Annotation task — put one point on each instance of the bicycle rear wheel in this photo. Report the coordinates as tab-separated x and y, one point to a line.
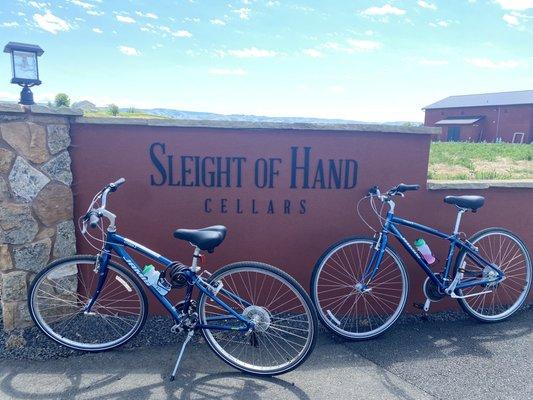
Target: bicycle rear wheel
59	294
506	250
285	321
350	307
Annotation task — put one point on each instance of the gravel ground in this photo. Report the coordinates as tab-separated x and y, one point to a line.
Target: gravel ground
32	344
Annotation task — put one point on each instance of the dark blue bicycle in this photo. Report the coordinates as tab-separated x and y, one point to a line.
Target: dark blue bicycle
360	285
254	316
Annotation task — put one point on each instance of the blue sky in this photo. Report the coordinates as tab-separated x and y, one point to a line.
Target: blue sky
355	59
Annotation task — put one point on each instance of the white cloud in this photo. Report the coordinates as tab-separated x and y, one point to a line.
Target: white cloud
425	4
363	45
432	63
186	34
336	89
97	30
384	10
217	21
82	4
125	19
38	5
441	23
517	5
314	53
129	51
514	18
490	64
511	19
227	72
252	52
146	15
51	23
12	24
273	3
244	13
95	13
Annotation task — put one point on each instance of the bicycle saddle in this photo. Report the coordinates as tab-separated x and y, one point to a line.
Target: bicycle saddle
470	202
205	238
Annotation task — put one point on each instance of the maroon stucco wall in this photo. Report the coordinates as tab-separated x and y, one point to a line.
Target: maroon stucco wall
291	238
512	119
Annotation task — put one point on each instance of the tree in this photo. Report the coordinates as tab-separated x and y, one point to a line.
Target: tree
62	100
113	110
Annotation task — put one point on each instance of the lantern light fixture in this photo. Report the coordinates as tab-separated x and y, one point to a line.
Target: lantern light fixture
25	68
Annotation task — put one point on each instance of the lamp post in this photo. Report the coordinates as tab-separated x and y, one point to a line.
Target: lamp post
25	68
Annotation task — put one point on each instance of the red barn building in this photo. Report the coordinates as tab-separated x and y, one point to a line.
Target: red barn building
489	117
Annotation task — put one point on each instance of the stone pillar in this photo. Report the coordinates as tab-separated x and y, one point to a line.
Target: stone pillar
36	207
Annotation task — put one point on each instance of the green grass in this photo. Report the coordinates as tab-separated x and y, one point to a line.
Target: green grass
464	161
122	114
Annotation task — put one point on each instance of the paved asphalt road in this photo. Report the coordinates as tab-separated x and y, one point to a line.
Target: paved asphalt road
420	360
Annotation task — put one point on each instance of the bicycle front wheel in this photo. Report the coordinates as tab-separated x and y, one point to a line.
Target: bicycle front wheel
59	294
507	251
348	305
285	329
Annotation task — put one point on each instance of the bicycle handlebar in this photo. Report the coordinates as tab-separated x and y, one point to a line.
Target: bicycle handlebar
397	190
93	215
402	187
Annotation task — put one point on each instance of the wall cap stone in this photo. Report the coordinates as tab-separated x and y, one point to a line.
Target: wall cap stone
8	107
185	123
480	184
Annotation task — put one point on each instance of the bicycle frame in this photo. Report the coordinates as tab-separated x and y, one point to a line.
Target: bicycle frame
118	244
442	281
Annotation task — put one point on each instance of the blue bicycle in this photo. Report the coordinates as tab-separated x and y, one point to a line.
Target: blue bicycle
360	285
254	316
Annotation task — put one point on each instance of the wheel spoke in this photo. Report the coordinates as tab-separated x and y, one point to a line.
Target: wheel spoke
284	329
504	250
347	307
59	297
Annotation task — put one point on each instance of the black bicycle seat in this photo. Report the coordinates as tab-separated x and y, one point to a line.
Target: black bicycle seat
470	202
205	238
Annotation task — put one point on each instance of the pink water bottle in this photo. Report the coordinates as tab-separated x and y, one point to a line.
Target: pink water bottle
424	250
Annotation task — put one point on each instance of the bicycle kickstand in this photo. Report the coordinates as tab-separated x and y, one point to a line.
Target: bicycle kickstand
185	342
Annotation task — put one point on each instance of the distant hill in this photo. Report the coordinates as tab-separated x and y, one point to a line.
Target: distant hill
196	115
93	111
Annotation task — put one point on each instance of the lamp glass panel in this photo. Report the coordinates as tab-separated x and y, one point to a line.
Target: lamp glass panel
25	65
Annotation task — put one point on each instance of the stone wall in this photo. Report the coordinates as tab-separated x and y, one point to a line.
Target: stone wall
36	200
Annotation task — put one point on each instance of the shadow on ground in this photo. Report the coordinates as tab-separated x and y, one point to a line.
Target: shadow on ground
434	359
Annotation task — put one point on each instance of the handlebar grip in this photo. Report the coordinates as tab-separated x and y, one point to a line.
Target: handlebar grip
373	190
93	220
402	187
115	185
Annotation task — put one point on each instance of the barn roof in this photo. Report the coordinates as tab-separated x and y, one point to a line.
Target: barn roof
486	99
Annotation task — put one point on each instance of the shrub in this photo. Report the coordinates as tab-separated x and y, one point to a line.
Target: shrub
62	100
113	110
